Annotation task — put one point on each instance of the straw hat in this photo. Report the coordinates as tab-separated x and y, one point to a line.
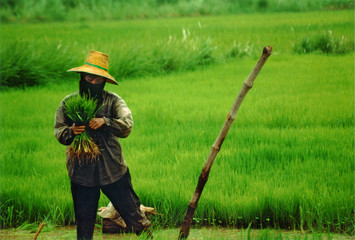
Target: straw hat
96	63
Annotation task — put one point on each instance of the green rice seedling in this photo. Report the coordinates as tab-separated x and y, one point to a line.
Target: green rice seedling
32	227
81	110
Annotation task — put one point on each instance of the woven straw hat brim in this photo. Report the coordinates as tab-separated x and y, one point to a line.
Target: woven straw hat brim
96	71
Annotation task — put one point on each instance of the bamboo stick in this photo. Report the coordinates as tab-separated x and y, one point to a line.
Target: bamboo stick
247	85
39	230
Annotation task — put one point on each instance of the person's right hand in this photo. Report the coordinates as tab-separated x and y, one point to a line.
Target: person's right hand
78	129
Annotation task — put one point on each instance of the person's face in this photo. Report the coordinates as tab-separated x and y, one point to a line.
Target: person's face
93	79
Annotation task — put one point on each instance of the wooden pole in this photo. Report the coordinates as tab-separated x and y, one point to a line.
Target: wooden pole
248	83
39	230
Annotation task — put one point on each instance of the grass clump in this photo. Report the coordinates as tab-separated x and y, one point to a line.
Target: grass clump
166	56
239	50
324	43
25	63
81	110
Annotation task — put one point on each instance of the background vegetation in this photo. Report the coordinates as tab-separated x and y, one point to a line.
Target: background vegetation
79	10
287	161
37	54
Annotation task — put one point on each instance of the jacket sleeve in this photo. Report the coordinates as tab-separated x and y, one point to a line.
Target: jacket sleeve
121	122
62	131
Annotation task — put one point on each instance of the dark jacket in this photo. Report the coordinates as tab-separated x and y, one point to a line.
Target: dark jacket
111	165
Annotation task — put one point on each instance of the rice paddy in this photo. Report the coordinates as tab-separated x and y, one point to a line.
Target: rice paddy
287	162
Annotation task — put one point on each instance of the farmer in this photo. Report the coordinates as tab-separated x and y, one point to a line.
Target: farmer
109	173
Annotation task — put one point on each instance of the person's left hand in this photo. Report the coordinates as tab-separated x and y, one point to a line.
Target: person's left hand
96	123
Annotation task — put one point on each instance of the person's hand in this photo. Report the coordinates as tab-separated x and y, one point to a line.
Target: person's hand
96	123
78	129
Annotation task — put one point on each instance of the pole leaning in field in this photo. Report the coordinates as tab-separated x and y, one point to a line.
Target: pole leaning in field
41	225
202	180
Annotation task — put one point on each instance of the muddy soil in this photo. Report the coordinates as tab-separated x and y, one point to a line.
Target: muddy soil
167	234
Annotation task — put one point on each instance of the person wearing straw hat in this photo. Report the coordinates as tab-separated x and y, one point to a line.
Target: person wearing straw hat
110	173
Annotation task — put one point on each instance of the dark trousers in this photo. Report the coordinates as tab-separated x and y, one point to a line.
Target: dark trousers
123	198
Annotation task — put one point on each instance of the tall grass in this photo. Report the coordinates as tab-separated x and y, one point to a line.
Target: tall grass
25	63
32	63
78	10
324	43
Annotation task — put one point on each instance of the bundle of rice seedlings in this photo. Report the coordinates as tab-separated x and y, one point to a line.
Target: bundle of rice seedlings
81	110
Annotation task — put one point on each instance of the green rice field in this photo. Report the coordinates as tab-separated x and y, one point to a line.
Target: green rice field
287	161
